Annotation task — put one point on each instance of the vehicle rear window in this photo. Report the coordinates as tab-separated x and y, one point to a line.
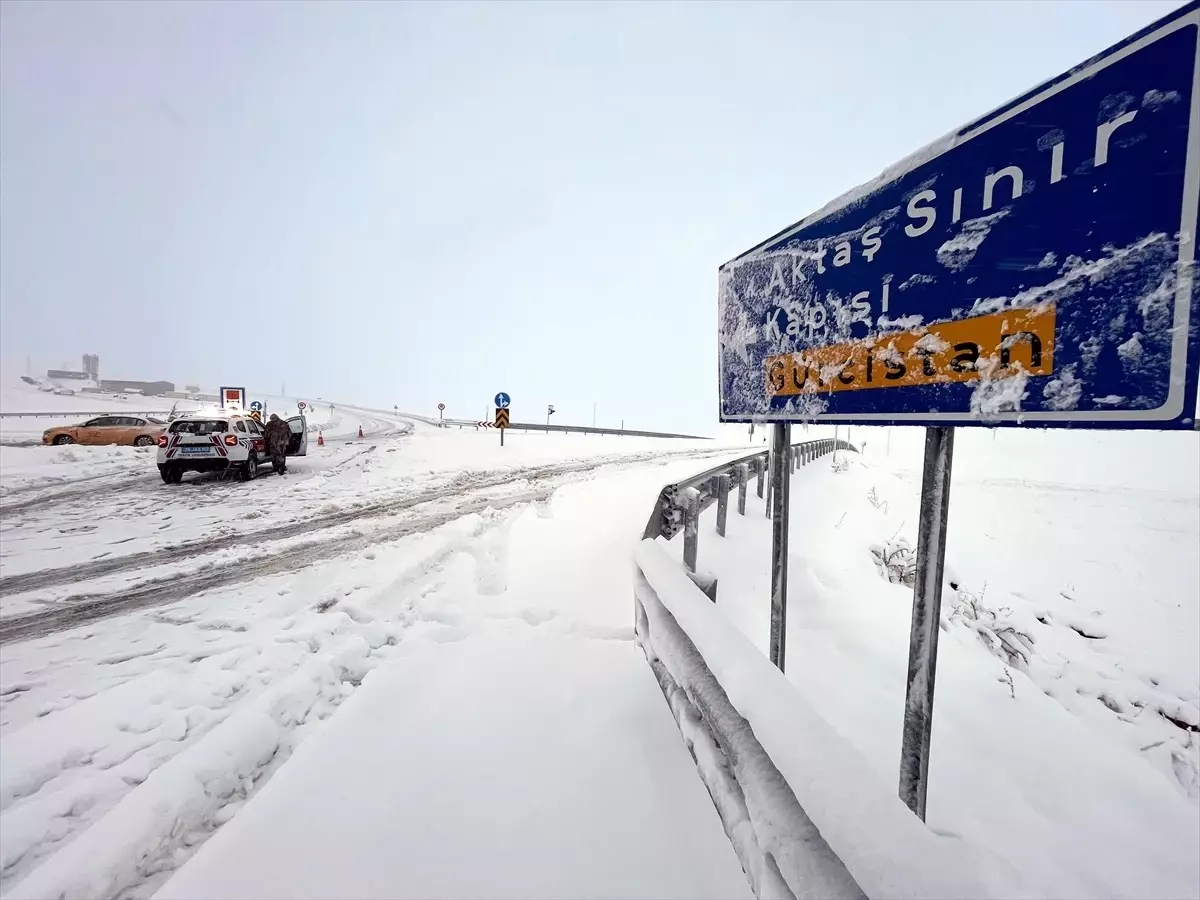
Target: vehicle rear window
200	426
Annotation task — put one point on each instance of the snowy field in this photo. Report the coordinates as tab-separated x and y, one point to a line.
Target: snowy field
1068	699
416	648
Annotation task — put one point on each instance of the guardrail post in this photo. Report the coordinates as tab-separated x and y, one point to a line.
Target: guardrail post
707	584
742	476
722	503
691	521
761	471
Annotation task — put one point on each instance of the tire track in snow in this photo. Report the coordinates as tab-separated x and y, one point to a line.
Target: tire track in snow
455	484
253	731
83	608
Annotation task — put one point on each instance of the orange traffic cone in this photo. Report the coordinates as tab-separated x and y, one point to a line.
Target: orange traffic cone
320	438
360	432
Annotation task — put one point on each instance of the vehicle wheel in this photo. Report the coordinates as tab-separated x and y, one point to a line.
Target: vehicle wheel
63	439
249	470
143	440
172	474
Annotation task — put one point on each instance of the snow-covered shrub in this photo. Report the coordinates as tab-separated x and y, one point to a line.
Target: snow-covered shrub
896	560
994	627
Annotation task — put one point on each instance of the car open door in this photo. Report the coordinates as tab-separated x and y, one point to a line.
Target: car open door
298	442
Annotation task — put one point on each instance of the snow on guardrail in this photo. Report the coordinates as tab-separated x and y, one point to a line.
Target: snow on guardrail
799	804
800	808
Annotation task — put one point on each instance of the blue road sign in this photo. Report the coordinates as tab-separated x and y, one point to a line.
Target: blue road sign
256	405
502	400
1034	268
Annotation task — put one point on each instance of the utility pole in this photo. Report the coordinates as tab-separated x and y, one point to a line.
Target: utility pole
593	413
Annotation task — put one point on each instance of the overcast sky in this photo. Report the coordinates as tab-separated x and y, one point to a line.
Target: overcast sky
407	203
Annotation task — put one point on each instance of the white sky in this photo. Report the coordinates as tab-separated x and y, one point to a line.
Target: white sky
406	203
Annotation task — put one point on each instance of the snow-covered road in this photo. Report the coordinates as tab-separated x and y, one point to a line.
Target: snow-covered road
193	638
523	750
171	659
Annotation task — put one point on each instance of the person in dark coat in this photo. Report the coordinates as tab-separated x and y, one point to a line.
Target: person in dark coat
278	434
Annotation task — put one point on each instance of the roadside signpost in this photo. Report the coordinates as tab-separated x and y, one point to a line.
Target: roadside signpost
1034	268
441	410
301	405
549	413
502	413
502	421
233	397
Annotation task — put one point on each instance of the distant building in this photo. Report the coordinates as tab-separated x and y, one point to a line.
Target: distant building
66	374
149	388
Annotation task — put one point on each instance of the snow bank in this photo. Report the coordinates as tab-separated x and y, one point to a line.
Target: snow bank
1068	680
154	826
27	468
781	850
768	731
524	764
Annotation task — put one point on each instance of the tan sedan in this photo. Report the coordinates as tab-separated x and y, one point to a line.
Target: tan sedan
140	431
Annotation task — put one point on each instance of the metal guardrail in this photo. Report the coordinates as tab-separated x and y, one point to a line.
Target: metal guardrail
573	429
753	798
428	420
742	779
83	414
679	505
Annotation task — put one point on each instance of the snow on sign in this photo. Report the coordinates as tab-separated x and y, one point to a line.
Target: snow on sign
1033	268
233	397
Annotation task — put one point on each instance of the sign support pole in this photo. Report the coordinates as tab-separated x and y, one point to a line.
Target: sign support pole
926	617
781	477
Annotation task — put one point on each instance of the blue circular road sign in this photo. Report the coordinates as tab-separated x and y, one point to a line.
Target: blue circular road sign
256	405
502	400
